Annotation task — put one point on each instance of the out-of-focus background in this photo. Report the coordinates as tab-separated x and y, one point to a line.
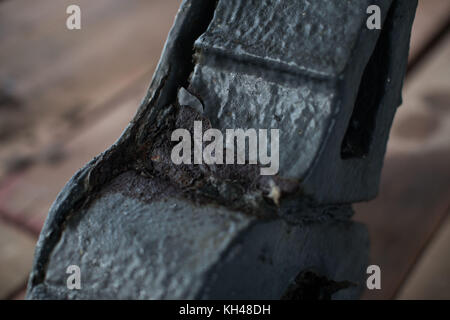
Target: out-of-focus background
65	96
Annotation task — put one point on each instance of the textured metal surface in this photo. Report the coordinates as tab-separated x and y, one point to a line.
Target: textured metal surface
302	67
140	226
301	109
173	244
126	244
299	36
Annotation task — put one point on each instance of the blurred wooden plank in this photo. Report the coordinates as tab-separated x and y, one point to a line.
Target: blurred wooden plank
85	80
430	278
431	17
27	197
415	184
21	295
16	255
53	79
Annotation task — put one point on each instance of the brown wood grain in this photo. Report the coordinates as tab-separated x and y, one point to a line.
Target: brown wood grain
26	197
415	184
432	16
54	80
430	277
16	256
65	96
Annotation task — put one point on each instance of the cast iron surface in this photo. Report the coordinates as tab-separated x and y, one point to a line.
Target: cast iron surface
141	227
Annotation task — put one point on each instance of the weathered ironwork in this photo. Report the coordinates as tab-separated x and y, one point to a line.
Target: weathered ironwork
139	226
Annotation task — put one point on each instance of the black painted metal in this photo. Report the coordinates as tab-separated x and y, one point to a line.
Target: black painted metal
142	227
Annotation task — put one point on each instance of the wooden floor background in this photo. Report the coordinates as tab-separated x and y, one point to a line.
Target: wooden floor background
65	96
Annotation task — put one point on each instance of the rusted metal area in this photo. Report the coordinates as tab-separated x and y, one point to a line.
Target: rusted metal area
217	231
